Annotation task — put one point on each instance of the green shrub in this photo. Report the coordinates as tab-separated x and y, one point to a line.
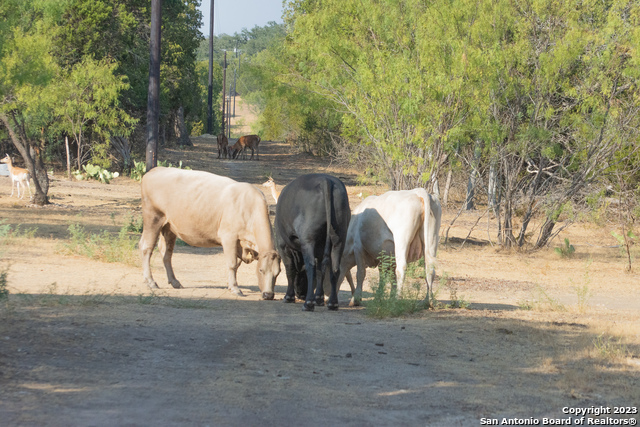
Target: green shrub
134	224
95	172
104	246
567	250
386	302
9	233
4	292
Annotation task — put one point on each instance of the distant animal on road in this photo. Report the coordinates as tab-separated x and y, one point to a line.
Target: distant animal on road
404	224
207	210
223	145
312	218
248	141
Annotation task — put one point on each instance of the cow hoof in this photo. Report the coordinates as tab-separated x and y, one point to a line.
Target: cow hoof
176	285
320	301
152	284
302	297
288	299
354	303
332	307
268	295
308	306
237	291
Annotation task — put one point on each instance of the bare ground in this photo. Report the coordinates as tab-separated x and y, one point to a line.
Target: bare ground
84	342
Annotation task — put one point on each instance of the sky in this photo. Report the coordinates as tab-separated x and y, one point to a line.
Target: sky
231	16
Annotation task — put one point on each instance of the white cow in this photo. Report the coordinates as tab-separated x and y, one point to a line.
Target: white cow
403	223
207	210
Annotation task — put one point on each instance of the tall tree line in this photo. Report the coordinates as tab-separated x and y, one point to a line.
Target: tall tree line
536	101
77	70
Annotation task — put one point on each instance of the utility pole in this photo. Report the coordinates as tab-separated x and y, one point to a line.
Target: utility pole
229	113
210	93
224	89
235	72
153	98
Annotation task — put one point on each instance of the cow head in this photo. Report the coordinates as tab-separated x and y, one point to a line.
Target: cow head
268	270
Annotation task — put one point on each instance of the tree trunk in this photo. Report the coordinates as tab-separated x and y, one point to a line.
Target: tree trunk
153	98
66	146
473	176
122	146
181	129
447	186
35	166
545	233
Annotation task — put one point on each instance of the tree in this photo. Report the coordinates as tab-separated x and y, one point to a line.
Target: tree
26	69
87	103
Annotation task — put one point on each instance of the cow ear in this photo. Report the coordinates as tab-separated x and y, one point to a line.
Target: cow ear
249	255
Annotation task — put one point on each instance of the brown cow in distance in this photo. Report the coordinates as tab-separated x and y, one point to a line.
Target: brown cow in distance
244	142
223	145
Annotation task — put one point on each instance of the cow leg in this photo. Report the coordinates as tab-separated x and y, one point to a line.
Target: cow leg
320	279
292	275
402	248
361	274
166	244
233	262
310	265
147	243
336	254
430	268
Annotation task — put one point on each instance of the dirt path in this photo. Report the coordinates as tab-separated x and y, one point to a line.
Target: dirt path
84	342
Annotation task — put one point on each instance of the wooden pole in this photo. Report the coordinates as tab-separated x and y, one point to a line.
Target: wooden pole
224	89
210	92
153	99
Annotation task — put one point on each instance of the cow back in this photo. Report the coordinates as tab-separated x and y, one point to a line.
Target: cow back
200	207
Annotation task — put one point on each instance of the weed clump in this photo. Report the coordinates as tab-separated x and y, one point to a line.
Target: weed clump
4	292
567	250
105	246
386	302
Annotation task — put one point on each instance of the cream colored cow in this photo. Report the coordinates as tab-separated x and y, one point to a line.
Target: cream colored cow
207	210
404	224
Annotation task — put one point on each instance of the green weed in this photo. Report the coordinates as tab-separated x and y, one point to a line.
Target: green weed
454	300
386	302
9	234
134	224
609	347
4	292
567	250
542	301
105	246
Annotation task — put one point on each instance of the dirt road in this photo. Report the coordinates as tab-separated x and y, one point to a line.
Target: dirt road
85	343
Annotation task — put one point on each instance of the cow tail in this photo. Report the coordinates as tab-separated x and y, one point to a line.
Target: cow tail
332	234
431	230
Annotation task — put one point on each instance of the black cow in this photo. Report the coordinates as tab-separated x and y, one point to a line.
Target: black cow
312	219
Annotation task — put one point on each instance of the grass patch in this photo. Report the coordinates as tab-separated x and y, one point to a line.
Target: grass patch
51	298
567	250
542	301
12	234
610	348
104	246
4	292
454	300
183	303
386	302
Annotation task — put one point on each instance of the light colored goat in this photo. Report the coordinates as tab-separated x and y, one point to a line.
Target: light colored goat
18	176
271	185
